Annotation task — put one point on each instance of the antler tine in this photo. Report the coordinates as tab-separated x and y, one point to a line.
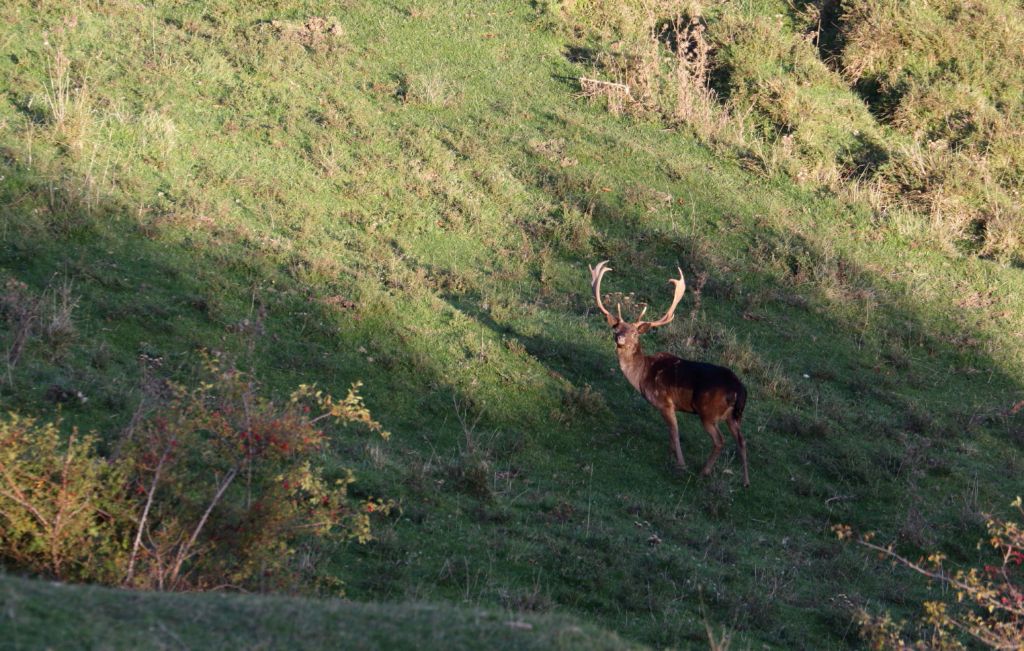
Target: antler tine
680	284
596	274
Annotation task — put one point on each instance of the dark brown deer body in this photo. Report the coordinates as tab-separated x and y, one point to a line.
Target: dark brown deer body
671	384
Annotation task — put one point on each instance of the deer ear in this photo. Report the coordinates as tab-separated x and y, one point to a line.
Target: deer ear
643	327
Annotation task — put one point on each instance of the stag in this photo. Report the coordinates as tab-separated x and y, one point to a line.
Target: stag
671	384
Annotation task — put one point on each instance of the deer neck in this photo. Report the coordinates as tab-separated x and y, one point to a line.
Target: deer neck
633	363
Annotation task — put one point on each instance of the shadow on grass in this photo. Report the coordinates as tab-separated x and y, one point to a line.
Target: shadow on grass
880	408
140	292
864	439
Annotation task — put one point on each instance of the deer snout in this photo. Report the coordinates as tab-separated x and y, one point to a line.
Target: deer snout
620	340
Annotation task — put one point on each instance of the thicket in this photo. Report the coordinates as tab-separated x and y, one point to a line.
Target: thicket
215	487
913	107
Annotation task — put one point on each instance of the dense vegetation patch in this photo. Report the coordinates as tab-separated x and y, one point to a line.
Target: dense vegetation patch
207	488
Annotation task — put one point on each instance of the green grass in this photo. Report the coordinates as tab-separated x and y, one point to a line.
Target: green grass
912	108
43	615
412	199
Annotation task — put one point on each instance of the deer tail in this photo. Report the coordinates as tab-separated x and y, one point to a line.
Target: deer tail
739	402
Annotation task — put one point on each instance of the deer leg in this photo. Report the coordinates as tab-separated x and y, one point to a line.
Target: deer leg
717	441
734	427
669	414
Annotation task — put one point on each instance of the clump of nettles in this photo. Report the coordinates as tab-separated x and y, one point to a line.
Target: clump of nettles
218	487
985	604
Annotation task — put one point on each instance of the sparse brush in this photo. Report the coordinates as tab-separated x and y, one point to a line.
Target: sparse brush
472	469
21	310
717	642
46	317
69	106
434	89
59	328
58	91
617	96
658	60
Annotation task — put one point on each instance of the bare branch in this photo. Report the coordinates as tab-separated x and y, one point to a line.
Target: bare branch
145	514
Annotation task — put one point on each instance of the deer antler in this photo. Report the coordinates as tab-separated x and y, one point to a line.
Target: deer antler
596	273
680	284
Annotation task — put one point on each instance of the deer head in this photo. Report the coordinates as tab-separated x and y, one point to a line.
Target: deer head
627	335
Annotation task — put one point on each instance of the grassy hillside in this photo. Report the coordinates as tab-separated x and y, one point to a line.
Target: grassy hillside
909	107
42	615
409	194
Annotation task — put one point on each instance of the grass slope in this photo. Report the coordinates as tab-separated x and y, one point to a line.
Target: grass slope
42	615
409	194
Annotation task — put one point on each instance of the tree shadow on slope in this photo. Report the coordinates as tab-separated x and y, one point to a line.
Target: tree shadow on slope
143	292
871	426
865	408
147	295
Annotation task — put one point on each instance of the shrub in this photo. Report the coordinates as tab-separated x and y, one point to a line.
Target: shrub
987	604
230	489
62	509
217	487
